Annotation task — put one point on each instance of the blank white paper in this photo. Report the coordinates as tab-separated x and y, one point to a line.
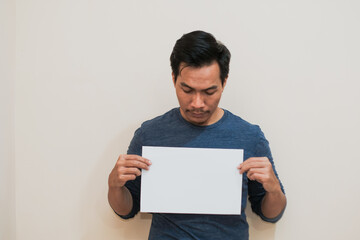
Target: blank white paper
192	180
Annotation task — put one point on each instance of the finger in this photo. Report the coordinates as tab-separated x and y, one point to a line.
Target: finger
252	160
134	157
266	169
125	178
257	170
137	157
254	176
258	159
263	177
256	164
255	160
250	165
134	171
136	163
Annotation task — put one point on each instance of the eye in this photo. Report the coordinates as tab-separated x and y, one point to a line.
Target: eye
187	90
211	92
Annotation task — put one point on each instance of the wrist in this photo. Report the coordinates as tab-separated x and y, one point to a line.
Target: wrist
116	188
276	189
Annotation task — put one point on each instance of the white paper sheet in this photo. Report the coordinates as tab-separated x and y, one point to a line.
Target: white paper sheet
192	180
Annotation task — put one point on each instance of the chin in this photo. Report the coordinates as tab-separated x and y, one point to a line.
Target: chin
198	121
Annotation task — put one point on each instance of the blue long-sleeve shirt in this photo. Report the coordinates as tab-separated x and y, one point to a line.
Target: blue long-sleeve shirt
231	132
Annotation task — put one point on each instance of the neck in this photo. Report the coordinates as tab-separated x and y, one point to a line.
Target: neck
216	116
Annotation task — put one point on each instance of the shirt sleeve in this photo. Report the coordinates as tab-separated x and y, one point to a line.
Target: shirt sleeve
255	189
135	147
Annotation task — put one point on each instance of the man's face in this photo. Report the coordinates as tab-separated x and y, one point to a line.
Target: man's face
199	91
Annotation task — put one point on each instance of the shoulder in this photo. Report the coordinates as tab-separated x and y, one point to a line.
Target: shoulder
258	145
161	121
238	123
151	129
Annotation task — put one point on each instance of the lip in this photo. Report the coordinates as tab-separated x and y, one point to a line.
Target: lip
197	115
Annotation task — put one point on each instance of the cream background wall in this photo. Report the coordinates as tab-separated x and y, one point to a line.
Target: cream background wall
7	157
88	72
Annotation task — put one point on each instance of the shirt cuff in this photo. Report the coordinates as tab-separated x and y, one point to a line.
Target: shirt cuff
272	220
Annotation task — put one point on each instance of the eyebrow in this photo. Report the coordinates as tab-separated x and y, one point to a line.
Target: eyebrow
210	88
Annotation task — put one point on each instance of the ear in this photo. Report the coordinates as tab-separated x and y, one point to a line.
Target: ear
173	78
224	84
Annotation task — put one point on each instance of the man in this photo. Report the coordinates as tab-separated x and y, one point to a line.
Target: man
200	67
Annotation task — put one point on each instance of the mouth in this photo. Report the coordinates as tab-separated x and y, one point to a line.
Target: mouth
197	114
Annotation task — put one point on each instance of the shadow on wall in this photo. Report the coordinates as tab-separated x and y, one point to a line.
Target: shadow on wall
98	219
259	229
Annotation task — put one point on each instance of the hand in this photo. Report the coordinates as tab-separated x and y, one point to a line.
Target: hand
260	169
127	168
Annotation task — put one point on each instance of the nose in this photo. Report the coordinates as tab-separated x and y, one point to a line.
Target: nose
197	101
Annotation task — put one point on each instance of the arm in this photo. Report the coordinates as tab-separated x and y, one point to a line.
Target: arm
126	168
273	203
260	169
120	200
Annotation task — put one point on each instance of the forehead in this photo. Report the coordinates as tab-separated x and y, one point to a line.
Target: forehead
205	74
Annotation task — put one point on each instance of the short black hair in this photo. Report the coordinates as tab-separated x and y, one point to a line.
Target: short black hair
198	49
